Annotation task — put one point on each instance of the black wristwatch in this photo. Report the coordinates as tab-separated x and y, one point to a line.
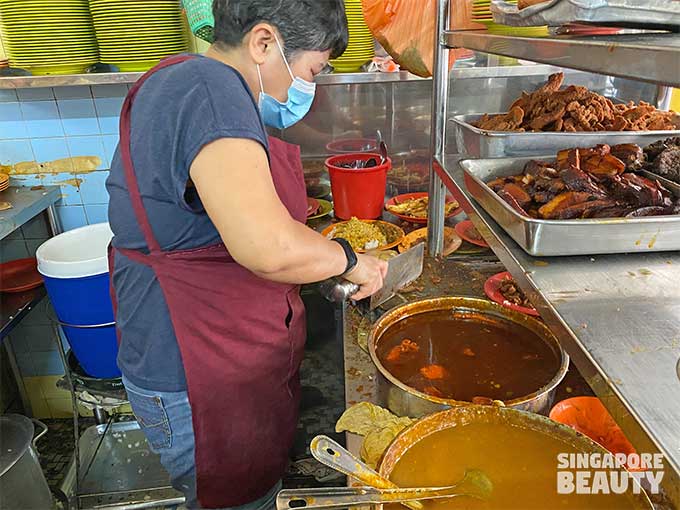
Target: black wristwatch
349	253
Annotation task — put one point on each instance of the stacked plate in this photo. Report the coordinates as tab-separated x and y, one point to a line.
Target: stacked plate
135	35
48	36
4	182
481	13
361	45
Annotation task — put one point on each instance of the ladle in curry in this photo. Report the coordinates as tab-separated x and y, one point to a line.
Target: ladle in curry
474	484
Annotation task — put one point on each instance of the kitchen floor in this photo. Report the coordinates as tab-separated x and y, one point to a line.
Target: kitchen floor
322	377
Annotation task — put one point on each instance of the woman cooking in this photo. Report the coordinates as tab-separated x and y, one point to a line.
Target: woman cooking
210	248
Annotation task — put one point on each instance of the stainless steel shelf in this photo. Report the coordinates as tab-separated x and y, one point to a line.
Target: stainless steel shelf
69	80
647	57
15	306
22	82
618	317
26	203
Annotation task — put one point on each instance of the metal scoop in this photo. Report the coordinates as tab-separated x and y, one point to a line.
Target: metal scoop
474	484
325	450
382	146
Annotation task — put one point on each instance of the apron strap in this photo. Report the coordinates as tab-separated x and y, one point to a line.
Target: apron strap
126	155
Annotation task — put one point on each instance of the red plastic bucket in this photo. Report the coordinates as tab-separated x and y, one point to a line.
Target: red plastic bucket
358	192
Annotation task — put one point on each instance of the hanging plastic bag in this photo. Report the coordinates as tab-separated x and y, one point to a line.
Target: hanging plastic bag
405	28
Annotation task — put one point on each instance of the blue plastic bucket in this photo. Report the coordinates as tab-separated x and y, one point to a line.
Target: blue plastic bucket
74	266
100	361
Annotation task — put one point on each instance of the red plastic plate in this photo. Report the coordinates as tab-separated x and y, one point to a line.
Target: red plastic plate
19	275
407	196
463	229
492	290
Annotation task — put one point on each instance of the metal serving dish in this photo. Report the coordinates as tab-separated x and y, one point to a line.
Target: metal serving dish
404	400
629	13
566	237
479	143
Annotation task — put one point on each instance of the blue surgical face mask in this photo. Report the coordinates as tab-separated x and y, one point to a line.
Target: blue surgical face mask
300	96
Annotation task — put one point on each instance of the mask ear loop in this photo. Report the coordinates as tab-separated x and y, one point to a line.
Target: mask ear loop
285	60
259	76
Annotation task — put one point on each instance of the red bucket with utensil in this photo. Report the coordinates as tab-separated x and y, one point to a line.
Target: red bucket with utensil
358	192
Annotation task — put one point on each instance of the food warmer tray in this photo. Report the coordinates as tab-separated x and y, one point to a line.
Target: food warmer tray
628	13
566	237
480	143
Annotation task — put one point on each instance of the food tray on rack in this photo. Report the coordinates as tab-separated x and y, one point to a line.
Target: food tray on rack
566	237
480	143
628	13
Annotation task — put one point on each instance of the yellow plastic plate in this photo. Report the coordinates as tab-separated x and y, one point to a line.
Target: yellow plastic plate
141	48
50	61
135	67
43	13
65	69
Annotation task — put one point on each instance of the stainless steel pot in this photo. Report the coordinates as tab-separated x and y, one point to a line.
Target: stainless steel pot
462	416
406	401
22	482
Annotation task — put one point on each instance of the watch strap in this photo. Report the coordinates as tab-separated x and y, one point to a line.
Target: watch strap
351	256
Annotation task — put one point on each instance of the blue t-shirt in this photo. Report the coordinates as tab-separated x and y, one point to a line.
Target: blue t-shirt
178	111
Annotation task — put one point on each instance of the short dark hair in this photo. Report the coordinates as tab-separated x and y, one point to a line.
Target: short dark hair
305	25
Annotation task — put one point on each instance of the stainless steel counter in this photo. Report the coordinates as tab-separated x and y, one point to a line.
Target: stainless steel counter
618	317
26	204
89	79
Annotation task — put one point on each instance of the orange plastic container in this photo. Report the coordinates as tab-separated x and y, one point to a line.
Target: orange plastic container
588	416
358	192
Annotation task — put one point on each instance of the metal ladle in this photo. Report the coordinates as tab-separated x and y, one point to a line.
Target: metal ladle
383	148
325	450
474	484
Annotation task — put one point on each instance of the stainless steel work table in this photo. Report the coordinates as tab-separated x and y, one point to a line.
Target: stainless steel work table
27	203
618	317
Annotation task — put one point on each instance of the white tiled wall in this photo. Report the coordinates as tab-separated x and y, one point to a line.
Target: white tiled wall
45	125
42	126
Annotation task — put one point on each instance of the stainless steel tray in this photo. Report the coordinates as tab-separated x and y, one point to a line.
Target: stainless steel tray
566	237
118	470
629	13
480	143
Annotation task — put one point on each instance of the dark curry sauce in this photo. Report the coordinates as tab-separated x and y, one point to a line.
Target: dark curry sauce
463	355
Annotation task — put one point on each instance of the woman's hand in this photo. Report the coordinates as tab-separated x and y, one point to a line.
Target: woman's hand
369	274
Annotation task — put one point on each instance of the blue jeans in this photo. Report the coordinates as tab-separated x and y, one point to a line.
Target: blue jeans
165	418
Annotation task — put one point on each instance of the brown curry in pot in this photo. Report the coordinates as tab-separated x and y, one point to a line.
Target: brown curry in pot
463	355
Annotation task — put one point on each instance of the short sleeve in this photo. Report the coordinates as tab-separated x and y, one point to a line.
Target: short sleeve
217	105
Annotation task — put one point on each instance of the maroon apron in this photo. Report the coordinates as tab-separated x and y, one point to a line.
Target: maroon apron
241	340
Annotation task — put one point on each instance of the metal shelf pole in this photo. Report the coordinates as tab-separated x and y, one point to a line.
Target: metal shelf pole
440	94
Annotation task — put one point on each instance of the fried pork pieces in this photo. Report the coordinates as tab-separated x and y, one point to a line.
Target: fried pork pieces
575	108
663	158
587	183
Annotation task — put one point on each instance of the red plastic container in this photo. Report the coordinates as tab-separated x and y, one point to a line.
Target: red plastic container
358	192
